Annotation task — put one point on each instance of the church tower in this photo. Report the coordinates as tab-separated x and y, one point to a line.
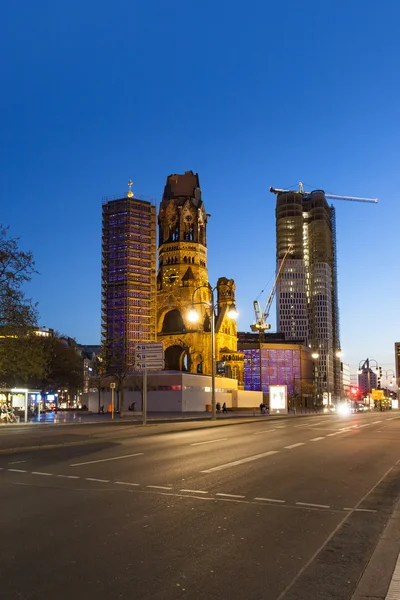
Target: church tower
183	279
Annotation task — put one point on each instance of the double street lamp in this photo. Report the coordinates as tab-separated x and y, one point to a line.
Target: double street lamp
392	378
194	317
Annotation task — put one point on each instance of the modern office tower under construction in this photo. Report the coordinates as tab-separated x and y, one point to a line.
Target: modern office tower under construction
307	295
128	278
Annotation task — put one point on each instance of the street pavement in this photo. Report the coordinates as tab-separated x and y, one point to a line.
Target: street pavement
268	509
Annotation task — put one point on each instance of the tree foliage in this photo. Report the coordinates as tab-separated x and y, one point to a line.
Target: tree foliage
45	363
16	268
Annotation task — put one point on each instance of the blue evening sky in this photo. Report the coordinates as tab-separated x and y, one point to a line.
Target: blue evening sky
247	94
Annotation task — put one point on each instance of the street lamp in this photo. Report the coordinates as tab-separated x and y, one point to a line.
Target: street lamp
392	378
364	365
194	316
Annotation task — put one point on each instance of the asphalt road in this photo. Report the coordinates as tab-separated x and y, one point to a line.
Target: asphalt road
269	510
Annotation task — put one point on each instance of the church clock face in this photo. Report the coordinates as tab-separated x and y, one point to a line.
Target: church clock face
171	277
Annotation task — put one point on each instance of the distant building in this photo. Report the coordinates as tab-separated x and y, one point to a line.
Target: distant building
367	380
128	278
307	293
397	364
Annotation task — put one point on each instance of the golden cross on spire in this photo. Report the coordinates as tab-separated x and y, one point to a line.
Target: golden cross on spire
130	193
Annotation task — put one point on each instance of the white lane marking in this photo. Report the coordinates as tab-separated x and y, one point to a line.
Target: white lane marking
127	483
17	470
317	439
375	422
264	431
313	505
394	587
294	445
365	425
209	442
235	463
92	462
229	495
270	500
17	462
281	427
99	480
390	419
69	476
309	424
369	510
195	491
332	434
39	473
159	487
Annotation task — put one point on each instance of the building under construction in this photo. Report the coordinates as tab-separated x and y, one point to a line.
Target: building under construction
128	278
307	294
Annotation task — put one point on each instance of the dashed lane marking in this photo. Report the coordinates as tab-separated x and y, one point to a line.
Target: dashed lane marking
312	505
127	483
92	462
295	445
309	424
367	510
17	462
317	439
269	500
242	461
202	494
332	434
209	442
264	431
229	495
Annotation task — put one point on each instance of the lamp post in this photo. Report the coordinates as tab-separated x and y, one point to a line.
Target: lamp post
365	365
194	316
392	378
324	343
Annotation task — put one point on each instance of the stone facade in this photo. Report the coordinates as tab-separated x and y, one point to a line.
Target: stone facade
182	281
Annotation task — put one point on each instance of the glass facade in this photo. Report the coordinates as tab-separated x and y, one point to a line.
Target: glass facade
278	367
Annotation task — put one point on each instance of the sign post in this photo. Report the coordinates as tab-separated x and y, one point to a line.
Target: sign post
112	386
148	357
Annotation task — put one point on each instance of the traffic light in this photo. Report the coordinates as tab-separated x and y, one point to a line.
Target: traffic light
379	377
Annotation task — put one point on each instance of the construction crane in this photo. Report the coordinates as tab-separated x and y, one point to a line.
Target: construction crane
261	324
328	196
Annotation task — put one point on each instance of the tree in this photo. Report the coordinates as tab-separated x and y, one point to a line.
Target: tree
16	268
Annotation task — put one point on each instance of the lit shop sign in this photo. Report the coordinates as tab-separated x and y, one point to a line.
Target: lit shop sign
278	398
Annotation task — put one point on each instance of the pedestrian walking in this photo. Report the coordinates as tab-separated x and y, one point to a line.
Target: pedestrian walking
224	409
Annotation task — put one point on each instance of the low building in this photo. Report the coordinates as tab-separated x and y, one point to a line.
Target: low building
174	392
282	363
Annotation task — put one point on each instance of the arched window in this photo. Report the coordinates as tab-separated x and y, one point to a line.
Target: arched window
173	322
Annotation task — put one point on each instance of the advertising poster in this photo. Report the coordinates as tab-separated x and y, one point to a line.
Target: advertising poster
278	399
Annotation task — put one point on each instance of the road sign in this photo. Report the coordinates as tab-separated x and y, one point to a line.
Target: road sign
155	366
149	356
149	346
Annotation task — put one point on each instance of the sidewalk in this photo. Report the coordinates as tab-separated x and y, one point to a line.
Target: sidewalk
82	417
381	578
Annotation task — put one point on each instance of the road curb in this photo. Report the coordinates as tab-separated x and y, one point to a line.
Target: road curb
376	579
